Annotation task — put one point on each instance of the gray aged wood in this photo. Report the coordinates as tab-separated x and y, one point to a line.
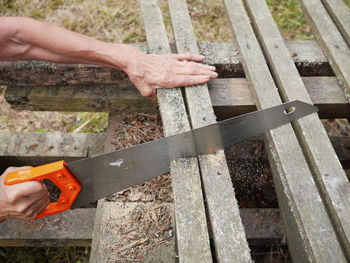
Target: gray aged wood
340	14
332	43
230	97
69	228
191	226
30	148
307	225
74	228
103	234
326	168
122	96
116	218
229	239
307	56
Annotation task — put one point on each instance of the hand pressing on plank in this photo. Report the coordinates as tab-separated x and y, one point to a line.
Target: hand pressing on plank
150	72
24	200
28	39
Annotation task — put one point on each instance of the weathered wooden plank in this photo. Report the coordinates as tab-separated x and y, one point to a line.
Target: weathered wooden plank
30	148
307	56
228	234
332	43
230	97
326	168
103	236
117	221
75	227
191	226
70	228
340	14
123	97
307	225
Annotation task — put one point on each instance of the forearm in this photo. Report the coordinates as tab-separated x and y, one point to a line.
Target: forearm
27	39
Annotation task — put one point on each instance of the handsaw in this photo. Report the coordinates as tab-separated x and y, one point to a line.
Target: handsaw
84	181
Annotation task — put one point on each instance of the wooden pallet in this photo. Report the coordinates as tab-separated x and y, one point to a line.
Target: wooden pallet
258	70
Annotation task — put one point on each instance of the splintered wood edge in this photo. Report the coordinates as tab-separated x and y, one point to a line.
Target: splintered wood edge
309	130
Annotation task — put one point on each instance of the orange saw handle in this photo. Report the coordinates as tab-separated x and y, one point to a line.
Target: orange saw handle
59	175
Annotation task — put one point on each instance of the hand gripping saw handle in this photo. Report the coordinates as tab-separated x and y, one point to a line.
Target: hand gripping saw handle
59	175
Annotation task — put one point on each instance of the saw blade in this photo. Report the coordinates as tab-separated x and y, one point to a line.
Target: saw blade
108	173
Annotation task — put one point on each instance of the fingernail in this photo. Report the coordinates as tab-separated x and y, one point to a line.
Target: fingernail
202	57
212	68
214	74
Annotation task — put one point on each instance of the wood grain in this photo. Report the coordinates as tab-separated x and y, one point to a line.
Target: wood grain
191	225
74	228
229	239
328	173
332	43
305	218
230	97
340	14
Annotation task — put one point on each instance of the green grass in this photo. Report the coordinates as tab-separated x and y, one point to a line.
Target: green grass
290	19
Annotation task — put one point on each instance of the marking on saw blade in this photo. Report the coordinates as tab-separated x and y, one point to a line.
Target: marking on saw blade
117	163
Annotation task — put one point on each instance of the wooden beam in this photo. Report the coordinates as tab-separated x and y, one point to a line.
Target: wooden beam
75	227
229	239
340	14
328	175
307	56
121	226
191	226
332	43
70	228
102	97
305	218
230	97
30	148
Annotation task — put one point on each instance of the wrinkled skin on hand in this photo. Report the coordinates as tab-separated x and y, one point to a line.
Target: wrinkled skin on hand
22	201
150	72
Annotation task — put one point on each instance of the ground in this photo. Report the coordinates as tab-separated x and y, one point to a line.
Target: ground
120	21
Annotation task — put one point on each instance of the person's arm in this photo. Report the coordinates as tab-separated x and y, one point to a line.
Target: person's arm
22	201
28	39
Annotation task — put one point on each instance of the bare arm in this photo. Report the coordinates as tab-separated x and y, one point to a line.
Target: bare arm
28	39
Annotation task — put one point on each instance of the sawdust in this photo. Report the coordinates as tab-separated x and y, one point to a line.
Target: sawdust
142	227
251	174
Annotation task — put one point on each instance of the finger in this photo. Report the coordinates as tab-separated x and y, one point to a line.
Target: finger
192	68
146	91
189	80
37	208
13	169
154	95
189	56
26	189
27	206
